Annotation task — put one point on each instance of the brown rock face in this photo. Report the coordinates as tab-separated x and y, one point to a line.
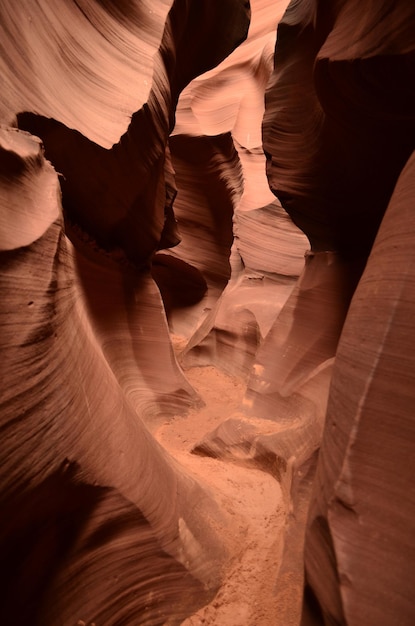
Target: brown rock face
78	464
97	524
359	549
339	135
169	176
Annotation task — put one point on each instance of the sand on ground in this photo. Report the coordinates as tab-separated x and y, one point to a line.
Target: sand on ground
251	498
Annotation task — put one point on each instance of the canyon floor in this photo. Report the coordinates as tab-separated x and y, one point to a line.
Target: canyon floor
253	502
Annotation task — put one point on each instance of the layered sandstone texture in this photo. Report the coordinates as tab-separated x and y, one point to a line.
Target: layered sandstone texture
339	138
181	195
100	524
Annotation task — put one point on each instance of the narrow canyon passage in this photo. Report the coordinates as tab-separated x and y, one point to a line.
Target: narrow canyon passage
251	499
207	297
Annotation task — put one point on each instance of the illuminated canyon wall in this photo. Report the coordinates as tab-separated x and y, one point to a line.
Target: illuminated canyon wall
164	174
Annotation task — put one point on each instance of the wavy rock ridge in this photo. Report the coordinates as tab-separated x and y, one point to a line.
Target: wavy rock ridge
95	506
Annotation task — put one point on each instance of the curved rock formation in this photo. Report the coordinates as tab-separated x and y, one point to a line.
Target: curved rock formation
357	562
120	196
359	549
102	525
267	252
84	534
338	131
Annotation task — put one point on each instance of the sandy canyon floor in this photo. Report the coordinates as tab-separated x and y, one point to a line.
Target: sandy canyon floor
253	502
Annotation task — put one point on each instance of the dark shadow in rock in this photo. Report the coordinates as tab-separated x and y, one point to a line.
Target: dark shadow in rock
75	551
180	283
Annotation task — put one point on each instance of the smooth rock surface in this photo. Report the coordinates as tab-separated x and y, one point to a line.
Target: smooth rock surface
78	465
101	524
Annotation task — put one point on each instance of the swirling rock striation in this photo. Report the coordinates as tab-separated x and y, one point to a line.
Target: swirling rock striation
84	533
102	525
339	134
119	196
267	253
359	552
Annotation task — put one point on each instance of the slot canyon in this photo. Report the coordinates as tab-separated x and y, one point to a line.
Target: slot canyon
207	312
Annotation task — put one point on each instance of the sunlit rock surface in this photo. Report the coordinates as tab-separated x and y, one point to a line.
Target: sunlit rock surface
89	65
267	253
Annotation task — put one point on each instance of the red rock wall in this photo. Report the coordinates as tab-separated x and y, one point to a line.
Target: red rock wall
151	113
359	547
339	135
97	517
